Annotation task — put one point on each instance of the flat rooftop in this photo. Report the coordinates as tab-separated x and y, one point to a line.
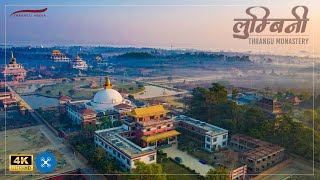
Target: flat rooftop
113	137
249	140
263	151
262	148
210	129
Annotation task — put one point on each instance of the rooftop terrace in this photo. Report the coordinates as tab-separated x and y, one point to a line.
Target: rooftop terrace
210	129
112	136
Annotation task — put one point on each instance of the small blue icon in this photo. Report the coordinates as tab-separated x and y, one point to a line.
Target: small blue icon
45	162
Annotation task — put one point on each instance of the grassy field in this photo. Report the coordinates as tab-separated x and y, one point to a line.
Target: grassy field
132	88
80	90
29	140
72	89
171	167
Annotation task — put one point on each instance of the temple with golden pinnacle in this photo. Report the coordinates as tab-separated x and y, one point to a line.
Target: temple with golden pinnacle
14	71
79	63
107	99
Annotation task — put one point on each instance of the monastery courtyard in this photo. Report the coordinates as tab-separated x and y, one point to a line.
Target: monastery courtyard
187	159
32	140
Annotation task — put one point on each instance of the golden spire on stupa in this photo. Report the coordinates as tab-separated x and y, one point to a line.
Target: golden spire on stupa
12	59
107	84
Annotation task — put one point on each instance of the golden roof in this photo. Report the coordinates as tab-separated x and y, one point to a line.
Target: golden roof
160	136
107	84
56	51
147	111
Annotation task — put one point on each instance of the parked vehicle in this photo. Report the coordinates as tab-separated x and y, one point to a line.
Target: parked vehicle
178	159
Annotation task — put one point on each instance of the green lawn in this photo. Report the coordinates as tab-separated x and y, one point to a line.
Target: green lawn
132	88
80	90
64	89
171	167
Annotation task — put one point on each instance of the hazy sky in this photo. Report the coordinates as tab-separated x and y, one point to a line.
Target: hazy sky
182	24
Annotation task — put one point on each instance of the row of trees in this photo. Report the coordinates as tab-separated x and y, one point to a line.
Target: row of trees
211	105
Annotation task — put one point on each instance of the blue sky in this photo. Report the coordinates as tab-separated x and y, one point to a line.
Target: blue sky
139	23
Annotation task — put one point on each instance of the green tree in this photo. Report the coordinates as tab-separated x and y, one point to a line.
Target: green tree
219	173
130	96
105	122
235	93
72	92
88	130
155	171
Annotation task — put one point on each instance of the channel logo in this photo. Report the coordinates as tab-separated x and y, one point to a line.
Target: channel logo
45	162
21	162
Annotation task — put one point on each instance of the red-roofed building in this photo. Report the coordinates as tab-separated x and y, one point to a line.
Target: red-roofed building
62	101
122	109
124	93
64	98
9	102
79	114
14	71
5	95
294	100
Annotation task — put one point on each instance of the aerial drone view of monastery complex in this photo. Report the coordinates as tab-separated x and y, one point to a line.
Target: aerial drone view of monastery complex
110	111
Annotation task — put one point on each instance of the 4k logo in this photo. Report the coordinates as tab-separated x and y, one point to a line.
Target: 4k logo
20	162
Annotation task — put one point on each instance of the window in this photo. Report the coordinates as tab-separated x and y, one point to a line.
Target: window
128	162
151	117
208	139
168	125
214	139
224	143
214	147
224	136
133	128
208	146
151	158
161	116
114	152
159	127
148	129
140	119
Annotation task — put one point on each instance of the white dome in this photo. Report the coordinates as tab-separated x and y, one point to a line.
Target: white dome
108	96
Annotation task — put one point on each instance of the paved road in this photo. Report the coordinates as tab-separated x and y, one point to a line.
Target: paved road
18	98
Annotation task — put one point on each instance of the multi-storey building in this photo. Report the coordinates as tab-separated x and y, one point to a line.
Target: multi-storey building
211	136
57	56
258	155
14	71
79	114
79	63
152	126
114	141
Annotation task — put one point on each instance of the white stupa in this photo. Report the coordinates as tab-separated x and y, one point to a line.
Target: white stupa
105	99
